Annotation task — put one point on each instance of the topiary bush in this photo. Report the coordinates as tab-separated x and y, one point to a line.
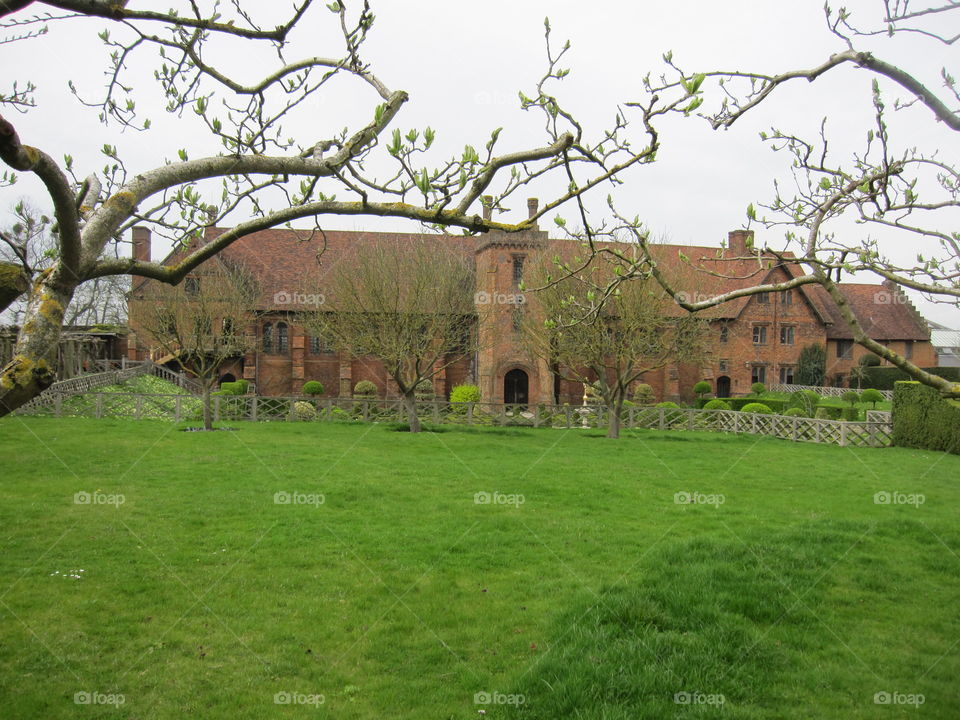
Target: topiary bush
852	397
923	419
702	388
304	411
883	378
244	386
850	414
716	404
424	389
758	389
465	394
871	396
365	388
806	400
667	404
643	394
756	407
795	412
828	412
775	404
312	387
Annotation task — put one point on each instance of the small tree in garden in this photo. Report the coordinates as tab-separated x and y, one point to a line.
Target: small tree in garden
812	366
643	394
200	325
410	305
871	396
465	394
852	397
365	389
702	388
758	388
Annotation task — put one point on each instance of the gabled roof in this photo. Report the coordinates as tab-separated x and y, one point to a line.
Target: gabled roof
884	312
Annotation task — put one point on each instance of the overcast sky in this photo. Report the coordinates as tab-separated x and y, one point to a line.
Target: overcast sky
463	63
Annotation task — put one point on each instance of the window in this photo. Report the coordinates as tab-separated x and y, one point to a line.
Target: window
786	375
763	298
786	335
227	327
844	348
319	345
282	339
838	380
517	270
908	349
191	285
758	374
759	334
724	333
786	297
723	366
268	337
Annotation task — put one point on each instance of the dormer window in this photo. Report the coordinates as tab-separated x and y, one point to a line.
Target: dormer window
518	269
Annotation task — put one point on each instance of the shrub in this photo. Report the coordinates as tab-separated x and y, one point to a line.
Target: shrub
852	397
643	394
871	396
702	388
870	360
465	394
667	404
850	414
758	389
232	388
883	378
811	365
756	407
312	387
365	388
304	411
340	414
828	412
716	404
775	404
923	419
795	412
805	400
424	389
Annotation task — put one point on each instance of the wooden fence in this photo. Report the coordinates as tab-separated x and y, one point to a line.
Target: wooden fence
299	409
824	391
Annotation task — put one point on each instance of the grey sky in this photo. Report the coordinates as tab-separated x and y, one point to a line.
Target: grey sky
463	63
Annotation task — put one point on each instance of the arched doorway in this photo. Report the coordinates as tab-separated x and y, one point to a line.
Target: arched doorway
227	378
723	386
515	387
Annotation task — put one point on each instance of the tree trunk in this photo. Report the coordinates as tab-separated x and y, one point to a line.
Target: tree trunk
34	365
615	411
410	403
207	414
13	283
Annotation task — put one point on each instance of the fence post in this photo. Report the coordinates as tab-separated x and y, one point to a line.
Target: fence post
470	413
567	408
254	408
662	423
58	406
436	411
690	416
843	434
794	435
139	410
177	404
366	410
99	411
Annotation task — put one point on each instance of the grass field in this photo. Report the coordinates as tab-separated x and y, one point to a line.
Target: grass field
353	571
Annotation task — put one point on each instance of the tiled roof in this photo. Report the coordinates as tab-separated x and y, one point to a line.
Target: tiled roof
290	262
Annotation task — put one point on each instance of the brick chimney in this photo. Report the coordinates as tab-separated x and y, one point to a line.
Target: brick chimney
740	242
533	206
141	244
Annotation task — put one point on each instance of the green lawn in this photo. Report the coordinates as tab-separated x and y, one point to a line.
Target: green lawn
584	591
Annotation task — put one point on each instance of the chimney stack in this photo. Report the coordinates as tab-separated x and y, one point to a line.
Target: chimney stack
533	205
141	244
740	242
487	201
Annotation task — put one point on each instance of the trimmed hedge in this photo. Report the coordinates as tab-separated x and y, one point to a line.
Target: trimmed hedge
774	404
465	394
716	404
884	378
756	407
923	419
794	412
312	387
233	388
850	414
365	388
828	412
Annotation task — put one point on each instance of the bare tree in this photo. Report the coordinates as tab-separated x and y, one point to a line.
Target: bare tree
409	305
259	172
28	248
609	344
202	324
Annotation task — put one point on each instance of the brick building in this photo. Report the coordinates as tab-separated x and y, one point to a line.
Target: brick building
757	338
